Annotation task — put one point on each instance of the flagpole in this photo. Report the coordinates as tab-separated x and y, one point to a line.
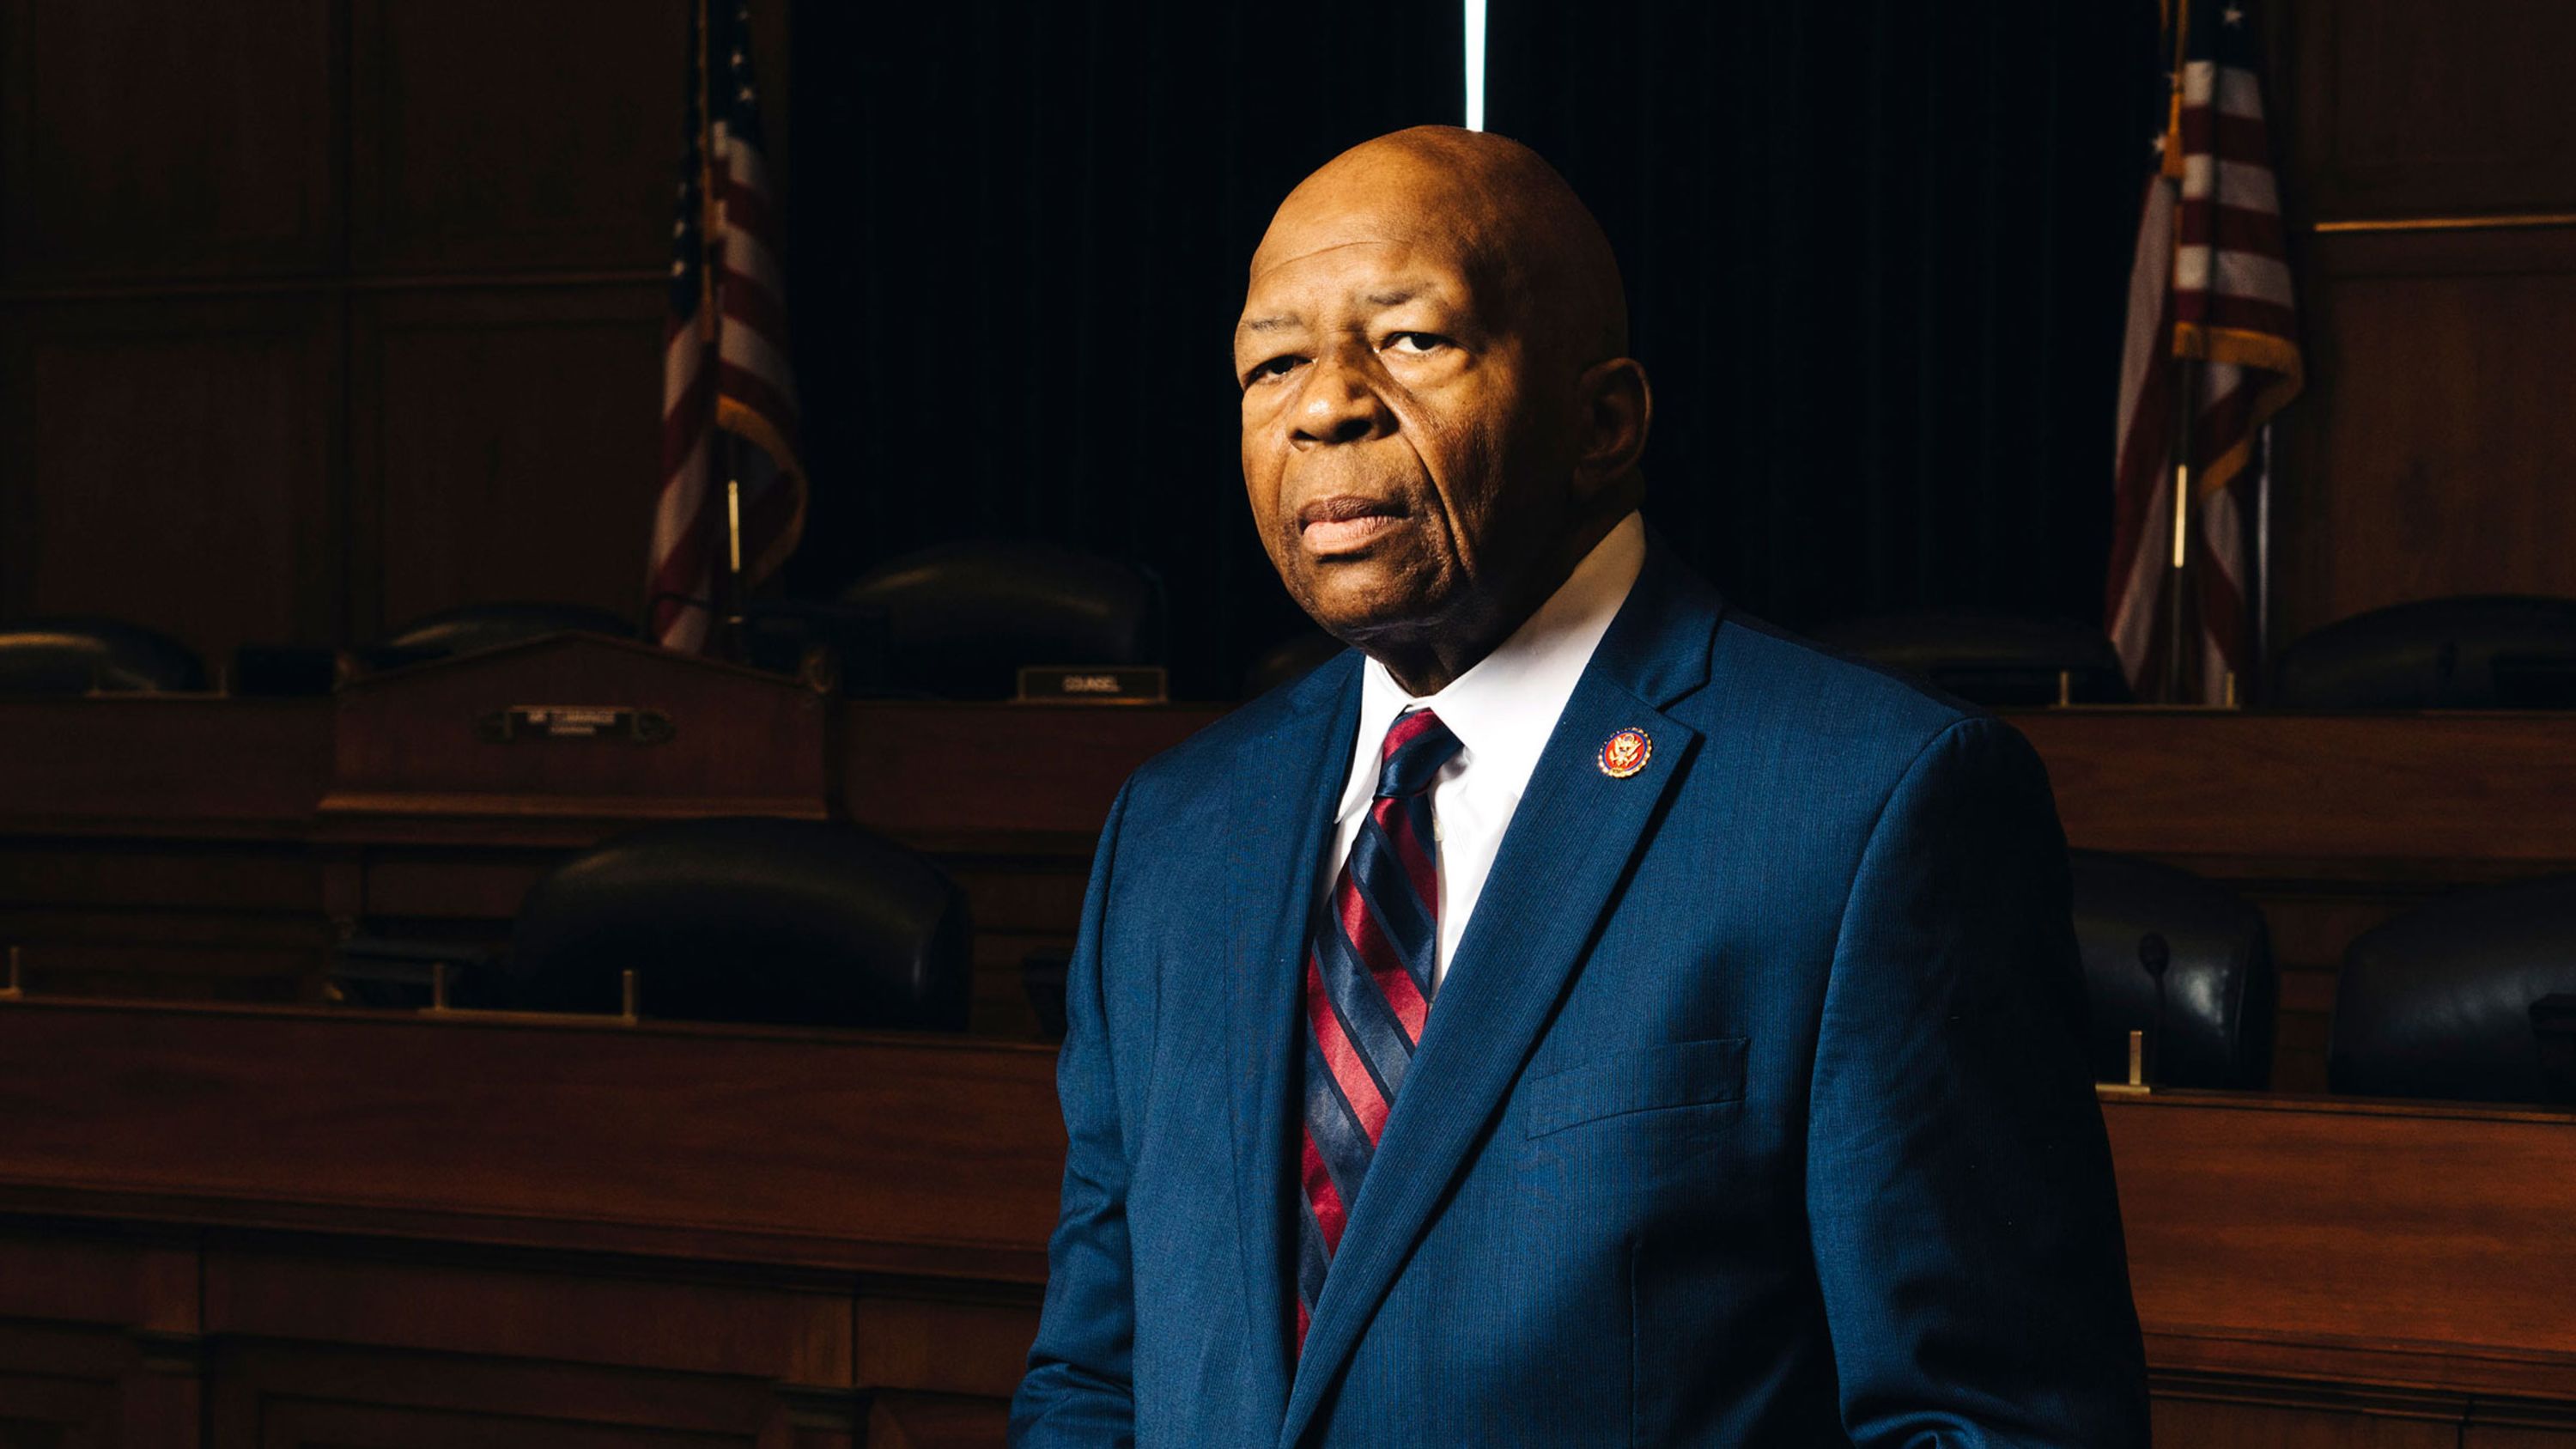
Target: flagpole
2178	633
725	610
734	601
2178	637
2258	658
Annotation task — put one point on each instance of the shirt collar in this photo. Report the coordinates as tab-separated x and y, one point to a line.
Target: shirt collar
1504	708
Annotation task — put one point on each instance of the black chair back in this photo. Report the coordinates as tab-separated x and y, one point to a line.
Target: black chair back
75	654
2496	651
2184	960
958	621
474	627
1993	659
794	922
2463	999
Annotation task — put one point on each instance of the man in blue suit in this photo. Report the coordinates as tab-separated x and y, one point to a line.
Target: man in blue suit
1580	1015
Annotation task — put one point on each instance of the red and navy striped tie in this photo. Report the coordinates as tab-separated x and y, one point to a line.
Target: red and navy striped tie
1368	988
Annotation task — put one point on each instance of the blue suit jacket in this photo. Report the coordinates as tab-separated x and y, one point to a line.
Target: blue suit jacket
1750	1113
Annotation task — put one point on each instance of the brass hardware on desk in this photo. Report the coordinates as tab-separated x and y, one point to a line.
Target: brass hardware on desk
2136	1085
438	1007
2065	688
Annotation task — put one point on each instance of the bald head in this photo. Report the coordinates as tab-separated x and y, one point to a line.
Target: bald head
1506	215
1439	416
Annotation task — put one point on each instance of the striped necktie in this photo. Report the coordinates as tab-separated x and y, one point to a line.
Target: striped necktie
1368	988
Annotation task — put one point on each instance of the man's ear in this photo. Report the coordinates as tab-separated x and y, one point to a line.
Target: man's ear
1617	406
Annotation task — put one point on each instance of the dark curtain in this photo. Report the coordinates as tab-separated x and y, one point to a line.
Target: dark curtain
1877	256
1876	252
1017	245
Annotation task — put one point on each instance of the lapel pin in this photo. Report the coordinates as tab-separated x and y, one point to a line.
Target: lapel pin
1625	753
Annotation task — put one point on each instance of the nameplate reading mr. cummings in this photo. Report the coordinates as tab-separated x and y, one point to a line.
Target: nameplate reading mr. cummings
625	725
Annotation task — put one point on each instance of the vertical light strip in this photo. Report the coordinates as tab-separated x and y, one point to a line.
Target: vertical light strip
1475	64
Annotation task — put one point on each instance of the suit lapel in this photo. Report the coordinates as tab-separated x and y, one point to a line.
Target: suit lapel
1561	861
1282	805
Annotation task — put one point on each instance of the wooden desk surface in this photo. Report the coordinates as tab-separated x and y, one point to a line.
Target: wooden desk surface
2396	1244
2316	795
2297	1251
881	1153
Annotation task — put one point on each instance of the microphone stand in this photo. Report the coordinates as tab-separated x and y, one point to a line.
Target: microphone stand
2153	957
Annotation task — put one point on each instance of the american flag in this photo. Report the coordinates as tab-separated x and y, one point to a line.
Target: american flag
2209	301
728	393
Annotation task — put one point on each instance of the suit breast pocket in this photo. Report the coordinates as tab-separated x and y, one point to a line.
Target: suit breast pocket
1679	1074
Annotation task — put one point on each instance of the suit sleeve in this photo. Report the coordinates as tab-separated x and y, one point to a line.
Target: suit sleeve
1079	1388
1959	1193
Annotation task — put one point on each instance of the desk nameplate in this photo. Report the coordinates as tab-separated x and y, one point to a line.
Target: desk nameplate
620	724
1094	684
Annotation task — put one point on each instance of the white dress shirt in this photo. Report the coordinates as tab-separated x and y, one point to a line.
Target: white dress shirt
1502	712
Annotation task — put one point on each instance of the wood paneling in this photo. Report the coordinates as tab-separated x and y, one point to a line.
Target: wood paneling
88	1319
403	1301
2193	1422
2435	446
157	846
167	140
306	1396
930	1421
1041	781
231	210
579	1136
2258	1220
162	767
369	1230
172	465
507	447
490	135
2431	452
2407	109
2488	1435
407	749
2350	796
59	1389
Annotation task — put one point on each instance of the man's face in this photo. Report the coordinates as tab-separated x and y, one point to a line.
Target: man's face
1394	444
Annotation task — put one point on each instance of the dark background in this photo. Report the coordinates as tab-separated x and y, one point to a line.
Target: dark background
1875	258
1018	253
326	314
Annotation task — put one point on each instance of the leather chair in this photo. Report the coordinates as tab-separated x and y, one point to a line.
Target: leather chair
791	922
475	627
76	654
959	620
2464	999
2184	960
2496	651
1989	658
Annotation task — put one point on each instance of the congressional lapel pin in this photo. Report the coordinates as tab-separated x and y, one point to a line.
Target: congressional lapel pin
1625	753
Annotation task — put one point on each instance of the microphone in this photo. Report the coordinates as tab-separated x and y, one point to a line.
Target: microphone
2153	957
